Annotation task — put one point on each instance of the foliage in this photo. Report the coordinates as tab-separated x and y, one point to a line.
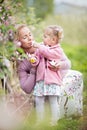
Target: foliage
42	7
27	16
6	37
8	23
63	124
46	7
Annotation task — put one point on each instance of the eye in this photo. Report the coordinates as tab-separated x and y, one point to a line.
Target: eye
24	37
44	36
30	34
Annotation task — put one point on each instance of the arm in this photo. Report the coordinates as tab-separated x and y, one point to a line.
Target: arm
26	76
65	64
49	52
61	60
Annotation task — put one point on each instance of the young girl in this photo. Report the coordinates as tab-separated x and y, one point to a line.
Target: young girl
48	82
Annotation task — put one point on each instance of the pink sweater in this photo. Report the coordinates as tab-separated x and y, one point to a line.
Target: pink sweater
51	53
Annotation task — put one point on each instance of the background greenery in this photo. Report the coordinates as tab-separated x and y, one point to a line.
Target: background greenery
38	16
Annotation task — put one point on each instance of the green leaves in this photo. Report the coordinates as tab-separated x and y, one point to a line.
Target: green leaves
6	37
3	70
20	50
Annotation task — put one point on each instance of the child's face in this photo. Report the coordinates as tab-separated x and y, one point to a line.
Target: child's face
49	39
25	37
46	39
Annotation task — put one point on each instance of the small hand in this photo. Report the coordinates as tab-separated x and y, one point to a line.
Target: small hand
58	65
54	66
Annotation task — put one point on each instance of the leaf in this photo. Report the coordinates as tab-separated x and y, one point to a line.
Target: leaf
20	50
1	75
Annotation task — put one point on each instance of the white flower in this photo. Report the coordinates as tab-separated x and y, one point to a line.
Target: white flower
6	62
18	43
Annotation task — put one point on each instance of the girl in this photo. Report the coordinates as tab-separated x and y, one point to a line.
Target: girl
48	82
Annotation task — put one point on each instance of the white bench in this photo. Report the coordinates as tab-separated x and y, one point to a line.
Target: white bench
71	101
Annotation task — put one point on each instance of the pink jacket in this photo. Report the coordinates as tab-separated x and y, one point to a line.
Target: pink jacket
51	53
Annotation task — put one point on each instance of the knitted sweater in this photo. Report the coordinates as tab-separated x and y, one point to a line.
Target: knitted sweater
27	75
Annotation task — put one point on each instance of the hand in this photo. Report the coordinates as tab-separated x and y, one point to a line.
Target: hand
55	66
31	58
58	65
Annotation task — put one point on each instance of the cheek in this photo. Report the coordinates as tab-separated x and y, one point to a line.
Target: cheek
23	42
32	38
48	41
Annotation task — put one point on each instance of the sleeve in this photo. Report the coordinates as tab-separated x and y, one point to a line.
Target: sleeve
27	76
49	53
65	64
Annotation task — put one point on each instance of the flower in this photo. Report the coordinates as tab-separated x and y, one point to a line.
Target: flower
17	43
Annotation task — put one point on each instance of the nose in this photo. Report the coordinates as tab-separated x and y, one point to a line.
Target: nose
29	38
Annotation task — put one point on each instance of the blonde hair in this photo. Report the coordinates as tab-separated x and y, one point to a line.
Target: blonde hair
18	31
57	31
